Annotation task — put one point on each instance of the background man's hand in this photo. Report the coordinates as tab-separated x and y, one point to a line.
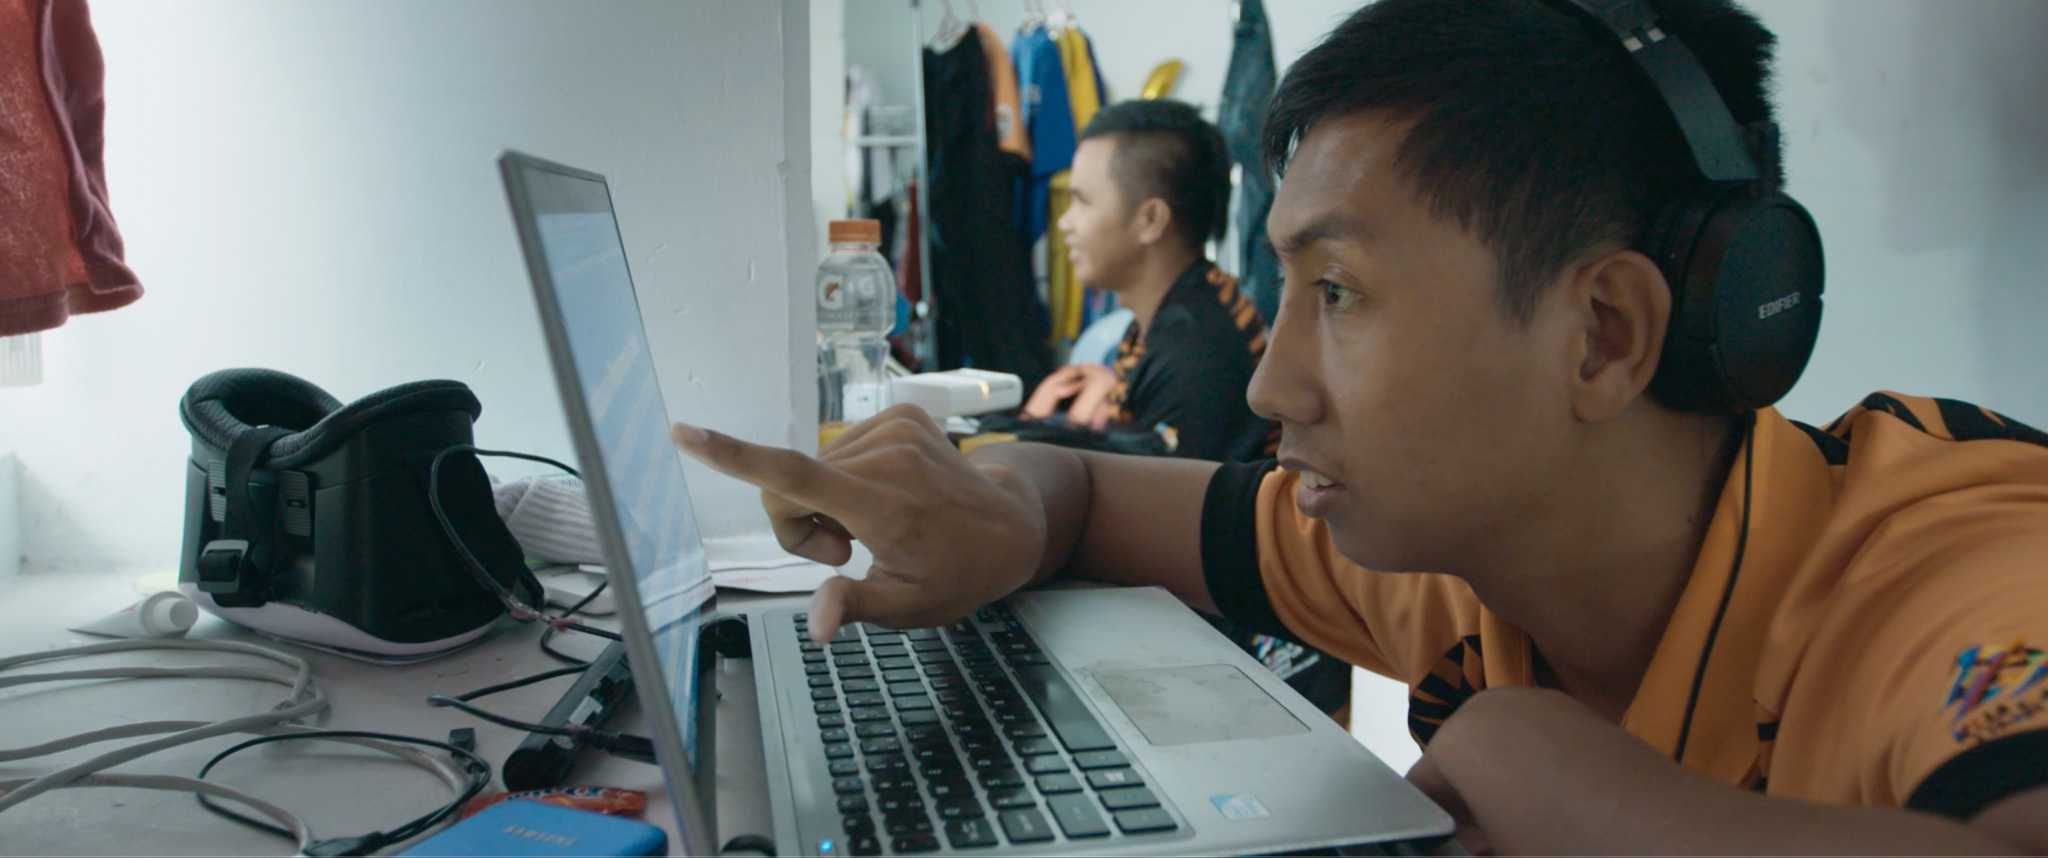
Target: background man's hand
947	536
1063	384
1091	406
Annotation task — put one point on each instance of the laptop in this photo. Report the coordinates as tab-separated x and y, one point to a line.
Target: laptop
1081	721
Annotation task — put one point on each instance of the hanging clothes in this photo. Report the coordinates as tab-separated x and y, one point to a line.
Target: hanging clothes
1247	91
988	316
1008	106
1049	125
1084	86
60	252
1062	289
1085	96
910	342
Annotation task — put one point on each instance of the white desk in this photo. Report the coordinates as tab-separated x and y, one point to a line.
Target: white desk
339	790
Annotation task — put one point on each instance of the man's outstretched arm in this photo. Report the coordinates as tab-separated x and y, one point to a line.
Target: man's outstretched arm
951	533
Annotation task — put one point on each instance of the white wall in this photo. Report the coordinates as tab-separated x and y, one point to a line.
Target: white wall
311	186
1917	133
828	113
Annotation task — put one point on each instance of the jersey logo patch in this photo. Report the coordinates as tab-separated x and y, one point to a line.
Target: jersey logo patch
1995	689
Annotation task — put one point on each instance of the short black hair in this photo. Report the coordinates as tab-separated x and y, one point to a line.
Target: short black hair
1530	128
1165	149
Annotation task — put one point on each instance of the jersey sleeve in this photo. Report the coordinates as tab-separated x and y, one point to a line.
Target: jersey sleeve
1274	570
1941	653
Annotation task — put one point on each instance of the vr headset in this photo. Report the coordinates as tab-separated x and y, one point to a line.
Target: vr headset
310	520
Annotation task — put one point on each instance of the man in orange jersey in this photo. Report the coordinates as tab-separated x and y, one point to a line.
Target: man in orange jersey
1627	625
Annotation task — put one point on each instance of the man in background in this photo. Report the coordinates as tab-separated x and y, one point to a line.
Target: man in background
1150	186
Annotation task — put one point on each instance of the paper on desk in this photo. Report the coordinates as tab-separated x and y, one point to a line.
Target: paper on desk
802	576
760	565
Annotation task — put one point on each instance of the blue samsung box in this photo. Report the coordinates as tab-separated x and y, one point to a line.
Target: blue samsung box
533	828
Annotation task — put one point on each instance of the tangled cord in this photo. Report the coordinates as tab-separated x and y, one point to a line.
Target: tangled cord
519	610
478	772
627	745
303	699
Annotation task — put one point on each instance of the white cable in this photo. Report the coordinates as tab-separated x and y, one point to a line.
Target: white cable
282	817
305	699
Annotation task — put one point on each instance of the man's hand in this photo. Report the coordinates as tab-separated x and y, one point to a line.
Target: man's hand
1063	384
947	536
1091	406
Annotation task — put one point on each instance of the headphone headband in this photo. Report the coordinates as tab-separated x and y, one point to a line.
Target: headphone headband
1710	130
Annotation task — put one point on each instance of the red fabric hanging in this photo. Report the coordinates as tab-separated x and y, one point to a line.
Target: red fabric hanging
60	252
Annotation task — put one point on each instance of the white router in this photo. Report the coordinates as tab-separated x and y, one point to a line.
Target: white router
960	392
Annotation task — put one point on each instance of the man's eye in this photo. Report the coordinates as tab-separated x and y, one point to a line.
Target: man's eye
1335	296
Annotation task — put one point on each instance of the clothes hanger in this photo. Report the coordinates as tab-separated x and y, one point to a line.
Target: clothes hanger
1034	16
951	28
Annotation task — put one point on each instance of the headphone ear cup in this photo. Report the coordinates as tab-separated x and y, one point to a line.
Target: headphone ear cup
1746	275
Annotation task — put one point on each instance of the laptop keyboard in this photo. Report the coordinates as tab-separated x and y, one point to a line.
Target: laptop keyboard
965	738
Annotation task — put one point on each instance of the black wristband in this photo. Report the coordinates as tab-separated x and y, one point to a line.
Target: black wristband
1979	777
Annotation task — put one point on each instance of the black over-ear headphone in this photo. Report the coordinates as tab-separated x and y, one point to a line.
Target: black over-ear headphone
1743	260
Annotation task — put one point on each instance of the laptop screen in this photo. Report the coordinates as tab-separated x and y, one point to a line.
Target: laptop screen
615	410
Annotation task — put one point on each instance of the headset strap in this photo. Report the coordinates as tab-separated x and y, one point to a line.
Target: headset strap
239	562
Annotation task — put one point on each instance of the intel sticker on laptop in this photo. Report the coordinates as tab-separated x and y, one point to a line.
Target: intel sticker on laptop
1238	808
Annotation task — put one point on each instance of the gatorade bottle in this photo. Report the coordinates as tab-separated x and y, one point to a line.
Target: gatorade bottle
856	310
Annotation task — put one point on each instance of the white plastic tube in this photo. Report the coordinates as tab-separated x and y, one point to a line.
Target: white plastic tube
162	615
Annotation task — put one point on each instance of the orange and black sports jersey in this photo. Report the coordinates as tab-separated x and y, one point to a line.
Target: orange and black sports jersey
1873	632
1185	377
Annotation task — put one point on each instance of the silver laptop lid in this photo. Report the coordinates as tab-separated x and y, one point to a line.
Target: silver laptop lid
638	497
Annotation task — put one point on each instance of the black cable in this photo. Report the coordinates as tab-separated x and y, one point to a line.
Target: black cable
626	745
1699	676
519	610
520	683
548	633
479	777
443	700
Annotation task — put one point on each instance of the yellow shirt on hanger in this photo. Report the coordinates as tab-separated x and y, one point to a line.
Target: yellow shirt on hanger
1065	293
1062	289
1079	68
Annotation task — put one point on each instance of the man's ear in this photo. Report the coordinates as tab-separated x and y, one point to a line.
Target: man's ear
1152	221
1623	304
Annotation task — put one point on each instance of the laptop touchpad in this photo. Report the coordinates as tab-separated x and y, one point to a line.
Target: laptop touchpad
1204	703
